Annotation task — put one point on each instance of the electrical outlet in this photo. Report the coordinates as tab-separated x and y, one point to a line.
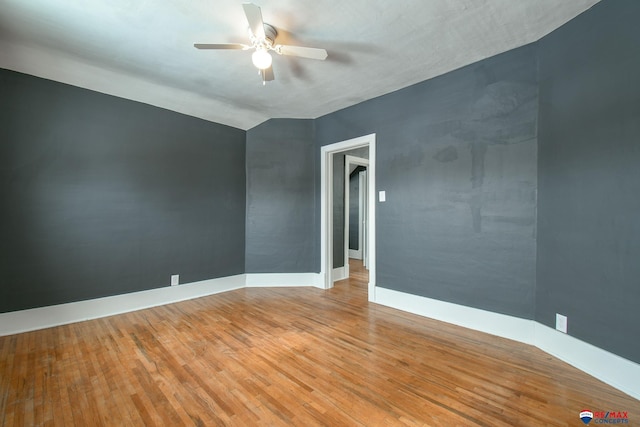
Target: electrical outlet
175	279
561	323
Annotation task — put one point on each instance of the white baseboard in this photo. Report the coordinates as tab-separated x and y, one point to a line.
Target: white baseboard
339	273
614	370
481	320
45	317
355	253
261	280
54	315
610	368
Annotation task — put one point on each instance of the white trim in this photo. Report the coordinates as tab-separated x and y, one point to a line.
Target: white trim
363	217
326	217
326	172
45	317
272	280
355	254
610	368
340	273
371	226
473	318
16	322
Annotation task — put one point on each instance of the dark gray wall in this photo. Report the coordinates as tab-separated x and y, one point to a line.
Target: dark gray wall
589	177
281	205
457	157
103	196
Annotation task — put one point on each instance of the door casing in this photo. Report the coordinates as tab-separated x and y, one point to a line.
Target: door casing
326	208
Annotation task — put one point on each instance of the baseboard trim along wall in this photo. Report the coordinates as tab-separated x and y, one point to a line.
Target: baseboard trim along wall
45	317
270	280
33	319
339	273
481	320
612	369
607	367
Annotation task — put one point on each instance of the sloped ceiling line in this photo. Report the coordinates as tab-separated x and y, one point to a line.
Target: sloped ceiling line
144	51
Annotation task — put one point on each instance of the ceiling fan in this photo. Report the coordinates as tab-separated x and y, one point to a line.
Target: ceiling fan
263	37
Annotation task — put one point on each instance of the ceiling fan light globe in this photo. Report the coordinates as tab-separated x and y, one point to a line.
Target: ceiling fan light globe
261	59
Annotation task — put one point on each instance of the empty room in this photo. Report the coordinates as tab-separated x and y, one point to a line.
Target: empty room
418	213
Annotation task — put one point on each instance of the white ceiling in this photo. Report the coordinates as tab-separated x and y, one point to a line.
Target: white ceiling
143	50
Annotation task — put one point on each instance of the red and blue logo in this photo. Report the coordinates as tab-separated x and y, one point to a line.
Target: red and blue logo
586	416
604	417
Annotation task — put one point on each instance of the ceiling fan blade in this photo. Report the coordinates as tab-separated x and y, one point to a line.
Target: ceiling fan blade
303	52
221	46
254	18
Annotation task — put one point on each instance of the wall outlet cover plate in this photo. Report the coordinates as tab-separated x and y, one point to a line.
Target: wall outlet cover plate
561	323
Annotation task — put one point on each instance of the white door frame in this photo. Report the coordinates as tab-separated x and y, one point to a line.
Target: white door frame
326	208
348	161
363	218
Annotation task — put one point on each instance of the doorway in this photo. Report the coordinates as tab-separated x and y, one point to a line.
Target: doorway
356	214
326	207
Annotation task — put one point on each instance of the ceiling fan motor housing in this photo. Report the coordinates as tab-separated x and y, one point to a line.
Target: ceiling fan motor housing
270	34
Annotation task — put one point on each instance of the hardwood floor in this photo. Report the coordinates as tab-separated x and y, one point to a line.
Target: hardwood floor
288	356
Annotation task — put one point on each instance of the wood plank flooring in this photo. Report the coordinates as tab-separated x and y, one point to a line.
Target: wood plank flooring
287	356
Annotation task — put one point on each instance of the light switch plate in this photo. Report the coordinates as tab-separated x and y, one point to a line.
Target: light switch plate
382	196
